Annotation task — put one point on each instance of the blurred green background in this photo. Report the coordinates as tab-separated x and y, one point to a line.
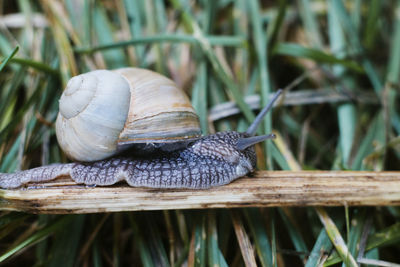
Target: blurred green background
343	116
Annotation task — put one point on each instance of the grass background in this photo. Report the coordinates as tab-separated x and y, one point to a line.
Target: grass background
217	51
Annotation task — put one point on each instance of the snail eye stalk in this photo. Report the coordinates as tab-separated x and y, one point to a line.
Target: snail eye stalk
253	127
244	143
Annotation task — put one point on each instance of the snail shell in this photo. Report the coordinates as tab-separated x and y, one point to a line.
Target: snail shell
102	111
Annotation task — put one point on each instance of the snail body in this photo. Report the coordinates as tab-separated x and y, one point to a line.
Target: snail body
210	161
187	160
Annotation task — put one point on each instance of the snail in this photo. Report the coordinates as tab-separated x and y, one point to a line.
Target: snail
141	109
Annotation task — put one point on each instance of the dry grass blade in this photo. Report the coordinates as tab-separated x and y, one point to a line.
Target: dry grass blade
265	189
304	97
92	236
68	65
244	241
336	238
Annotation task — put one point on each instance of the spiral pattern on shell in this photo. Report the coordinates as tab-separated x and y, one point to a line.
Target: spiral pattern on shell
103	111
93	111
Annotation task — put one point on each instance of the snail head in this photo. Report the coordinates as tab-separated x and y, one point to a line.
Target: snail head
245	142
233	148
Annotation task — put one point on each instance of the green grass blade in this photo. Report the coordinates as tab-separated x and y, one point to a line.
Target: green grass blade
134	11
217	96
277	24
240	22
200	92
156	245
352	34
385	237
36	65
7	59
140	243
393	75
215	257
161	38
37	236
295	50
10	222
9	164
294	234
104	33
9	93
154	25
64	251
336	238
346	111
261	48
388	236
19	114
215	63
6	46
273	239
96	258
279	158
116	244
373	135
371	29
200	238
355	15
259	233
322	246
310	23
357	224
6	219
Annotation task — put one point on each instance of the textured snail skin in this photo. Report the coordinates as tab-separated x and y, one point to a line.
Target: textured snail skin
210	161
